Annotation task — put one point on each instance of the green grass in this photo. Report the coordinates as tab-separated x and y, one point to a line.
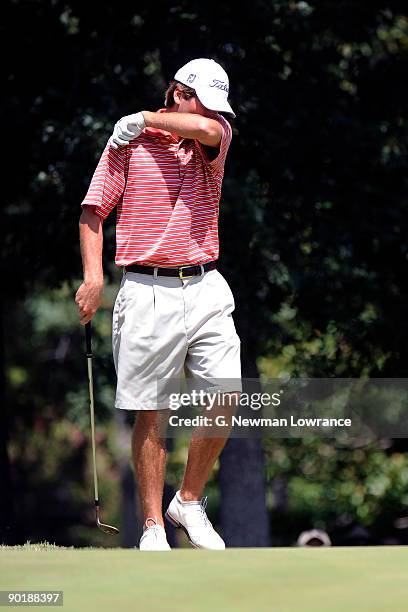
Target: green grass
273	579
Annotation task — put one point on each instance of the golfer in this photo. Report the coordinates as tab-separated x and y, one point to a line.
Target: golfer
172	316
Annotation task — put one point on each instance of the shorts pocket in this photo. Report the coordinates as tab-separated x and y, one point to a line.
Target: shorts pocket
225	291
117	315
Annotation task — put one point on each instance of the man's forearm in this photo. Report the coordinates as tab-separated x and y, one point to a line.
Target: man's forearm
187	125
91	242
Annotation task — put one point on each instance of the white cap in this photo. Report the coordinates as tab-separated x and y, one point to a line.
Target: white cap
210	82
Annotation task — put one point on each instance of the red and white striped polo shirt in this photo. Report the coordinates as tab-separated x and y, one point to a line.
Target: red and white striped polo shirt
167	194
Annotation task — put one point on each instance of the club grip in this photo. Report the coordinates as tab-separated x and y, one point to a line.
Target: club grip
88	337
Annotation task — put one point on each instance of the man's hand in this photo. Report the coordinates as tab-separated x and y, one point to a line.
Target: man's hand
126	129
88	299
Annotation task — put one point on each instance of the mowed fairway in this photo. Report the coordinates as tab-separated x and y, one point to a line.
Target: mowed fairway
278	579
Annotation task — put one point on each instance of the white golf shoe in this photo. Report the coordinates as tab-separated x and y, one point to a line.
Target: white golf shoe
192	518
153	537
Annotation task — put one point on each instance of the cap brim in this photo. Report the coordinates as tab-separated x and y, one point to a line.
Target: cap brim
215	103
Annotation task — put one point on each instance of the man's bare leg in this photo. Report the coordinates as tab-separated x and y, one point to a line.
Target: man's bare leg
149	460
203	453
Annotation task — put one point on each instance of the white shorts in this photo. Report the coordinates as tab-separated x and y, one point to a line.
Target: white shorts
167	328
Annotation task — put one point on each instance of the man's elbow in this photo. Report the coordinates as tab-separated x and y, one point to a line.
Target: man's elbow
210	132
89	217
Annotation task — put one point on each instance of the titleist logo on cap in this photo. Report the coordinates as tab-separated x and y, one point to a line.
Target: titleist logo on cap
219	85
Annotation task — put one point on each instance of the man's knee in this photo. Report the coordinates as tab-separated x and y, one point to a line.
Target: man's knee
146	416
153	422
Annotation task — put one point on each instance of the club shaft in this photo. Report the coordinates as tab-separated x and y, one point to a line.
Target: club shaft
92	415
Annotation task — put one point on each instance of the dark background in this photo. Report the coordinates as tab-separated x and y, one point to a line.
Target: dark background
314	244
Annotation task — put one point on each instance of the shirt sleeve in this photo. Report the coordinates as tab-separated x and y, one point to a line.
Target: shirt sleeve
108	182
218	163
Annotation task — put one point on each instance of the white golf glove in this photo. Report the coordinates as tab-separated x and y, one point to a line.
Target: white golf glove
126	129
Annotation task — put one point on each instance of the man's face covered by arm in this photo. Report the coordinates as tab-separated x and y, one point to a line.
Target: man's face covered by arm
187	118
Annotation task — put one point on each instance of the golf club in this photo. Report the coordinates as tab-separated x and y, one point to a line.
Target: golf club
102	526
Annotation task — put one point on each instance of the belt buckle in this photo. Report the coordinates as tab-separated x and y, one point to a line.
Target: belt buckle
181	276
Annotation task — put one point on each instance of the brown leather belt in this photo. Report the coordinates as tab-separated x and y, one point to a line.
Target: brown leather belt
182	271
